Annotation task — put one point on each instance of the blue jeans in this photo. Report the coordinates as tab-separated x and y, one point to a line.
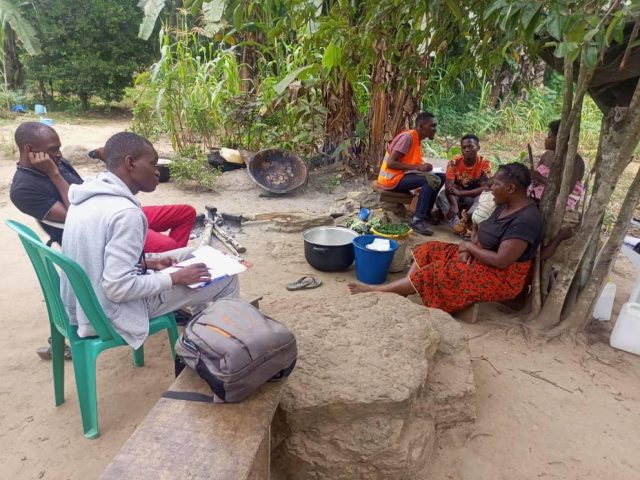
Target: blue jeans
427	197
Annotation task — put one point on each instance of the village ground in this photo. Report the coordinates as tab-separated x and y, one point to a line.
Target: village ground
583	426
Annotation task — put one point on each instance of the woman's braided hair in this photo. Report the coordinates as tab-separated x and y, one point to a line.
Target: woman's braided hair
516	172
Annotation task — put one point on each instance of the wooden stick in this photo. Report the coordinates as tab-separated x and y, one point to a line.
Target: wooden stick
531	165
206	234
226	244
540	377
228	238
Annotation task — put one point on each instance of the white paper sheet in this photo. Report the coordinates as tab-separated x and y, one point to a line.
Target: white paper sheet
219	264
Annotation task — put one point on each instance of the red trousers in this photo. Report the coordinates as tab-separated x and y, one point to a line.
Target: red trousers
177	220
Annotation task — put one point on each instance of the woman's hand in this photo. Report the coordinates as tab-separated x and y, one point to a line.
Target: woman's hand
465	257
465	247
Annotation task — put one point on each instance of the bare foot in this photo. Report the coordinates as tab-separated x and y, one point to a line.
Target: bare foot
359	288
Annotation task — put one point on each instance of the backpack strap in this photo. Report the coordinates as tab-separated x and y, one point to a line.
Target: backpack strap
188	396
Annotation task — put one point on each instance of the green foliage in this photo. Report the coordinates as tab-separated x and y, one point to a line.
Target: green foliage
195	90
11	14
89	48
192	85
192	167
145	122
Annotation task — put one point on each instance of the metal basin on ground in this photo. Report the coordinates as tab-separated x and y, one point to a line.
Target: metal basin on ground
277	170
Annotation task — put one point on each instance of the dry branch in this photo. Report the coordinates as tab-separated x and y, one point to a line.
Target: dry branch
540	377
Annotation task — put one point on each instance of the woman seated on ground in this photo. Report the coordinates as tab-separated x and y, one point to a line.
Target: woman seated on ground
493	267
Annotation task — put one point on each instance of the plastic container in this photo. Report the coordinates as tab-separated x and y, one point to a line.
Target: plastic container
635	293
231	155
46	121
626	332
372	266
604	305
40	109
397	265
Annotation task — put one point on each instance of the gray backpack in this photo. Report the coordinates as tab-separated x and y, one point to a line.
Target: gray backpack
236	349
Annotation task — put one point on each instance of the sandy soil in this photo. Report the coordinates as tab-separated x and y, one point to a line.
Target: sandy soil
584	427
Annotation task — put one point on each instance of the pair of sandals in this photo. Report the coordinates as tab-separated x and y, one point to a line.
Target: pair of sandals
304	283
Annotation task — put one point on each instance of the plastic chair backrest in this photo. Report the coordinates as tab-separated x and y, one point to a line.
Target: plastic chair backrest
44	260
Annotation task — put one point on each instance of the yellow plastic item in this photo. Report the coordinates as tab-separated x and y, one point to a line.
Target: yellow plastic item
231	155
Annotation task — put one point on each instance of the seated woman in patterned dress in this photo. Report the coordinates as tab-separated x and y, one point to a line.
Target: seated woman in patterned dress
492	267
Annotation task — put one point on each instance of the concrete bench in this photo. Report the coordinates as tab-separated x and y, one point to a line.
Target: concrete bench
196	440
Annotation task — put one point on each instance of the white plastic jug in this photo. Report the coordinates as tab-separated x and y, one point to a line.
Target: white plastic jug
604	305
626	332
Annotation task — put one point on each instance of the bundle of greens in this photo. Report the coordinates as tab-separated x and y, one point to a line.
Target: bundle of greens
397	229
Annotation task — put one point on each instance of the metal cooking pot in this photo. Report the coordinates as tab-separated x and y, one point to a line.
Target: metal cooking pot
329	249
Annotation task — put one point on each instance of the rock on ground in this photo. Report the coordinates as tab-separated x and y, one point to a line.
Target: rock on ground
77	155
357	405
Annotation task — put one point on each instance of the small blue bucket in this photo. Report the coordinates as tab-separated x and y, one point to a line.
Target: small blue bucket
40	109
47	121
372	266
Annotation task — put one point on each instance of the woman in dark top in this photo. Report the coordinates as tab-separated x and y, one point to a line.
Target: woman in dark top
493	267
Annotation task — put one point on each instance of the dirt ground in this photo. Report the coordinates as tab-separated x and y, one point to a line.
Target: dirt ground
580	422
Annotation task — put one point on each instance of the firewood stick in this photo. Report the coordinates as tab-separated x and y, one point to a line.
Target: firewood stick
228	238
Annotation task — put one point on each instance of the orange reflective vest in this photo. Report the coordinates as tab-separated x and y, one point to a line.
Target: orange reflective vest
389	177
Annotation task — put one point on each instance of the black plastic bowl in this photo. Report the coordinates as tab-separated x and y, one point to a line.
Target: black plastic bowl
329	249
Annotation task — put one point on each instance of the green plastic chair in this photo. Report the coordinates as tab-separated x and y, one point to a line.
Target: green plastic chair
84	351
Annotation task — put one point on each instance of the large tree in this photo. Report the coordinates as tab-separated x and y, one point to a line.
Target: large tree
595	45
89	48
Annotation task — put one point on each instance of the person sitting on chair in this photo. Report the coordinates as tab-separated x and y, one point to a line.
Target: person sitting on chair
105	230
41	183
467	176
402	170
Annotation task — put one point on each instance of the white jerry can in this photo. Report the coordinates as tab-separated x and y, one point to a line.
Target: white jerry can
626	332
604	305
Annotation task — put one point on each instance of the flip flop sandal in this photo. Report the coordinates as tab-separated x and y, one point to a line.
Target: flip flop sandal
304	283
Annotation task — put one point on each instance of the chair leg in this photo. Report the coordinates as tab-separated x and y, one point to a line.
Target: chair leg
84	368
138	356
172	330
57	364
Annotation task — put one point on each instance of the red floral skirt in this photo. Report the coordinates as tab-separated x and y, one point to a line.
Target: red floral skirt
446	283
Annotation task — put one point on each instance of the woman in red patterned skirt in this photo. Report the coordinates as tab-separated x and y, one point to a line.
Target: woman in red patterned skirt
492	267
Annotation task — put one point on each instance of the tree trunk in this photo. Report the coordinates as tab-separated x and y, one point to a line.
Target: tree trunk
248	63
581	314
619	136
43	90
340	119
14	70
394	103
84	100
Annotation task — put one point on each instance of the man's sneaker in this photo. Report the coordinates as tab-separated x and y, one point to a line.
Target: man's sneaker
431	220
421	227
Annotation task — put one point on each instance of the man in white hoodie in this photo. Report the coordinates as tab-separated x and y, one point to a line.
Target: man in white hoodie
104	232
